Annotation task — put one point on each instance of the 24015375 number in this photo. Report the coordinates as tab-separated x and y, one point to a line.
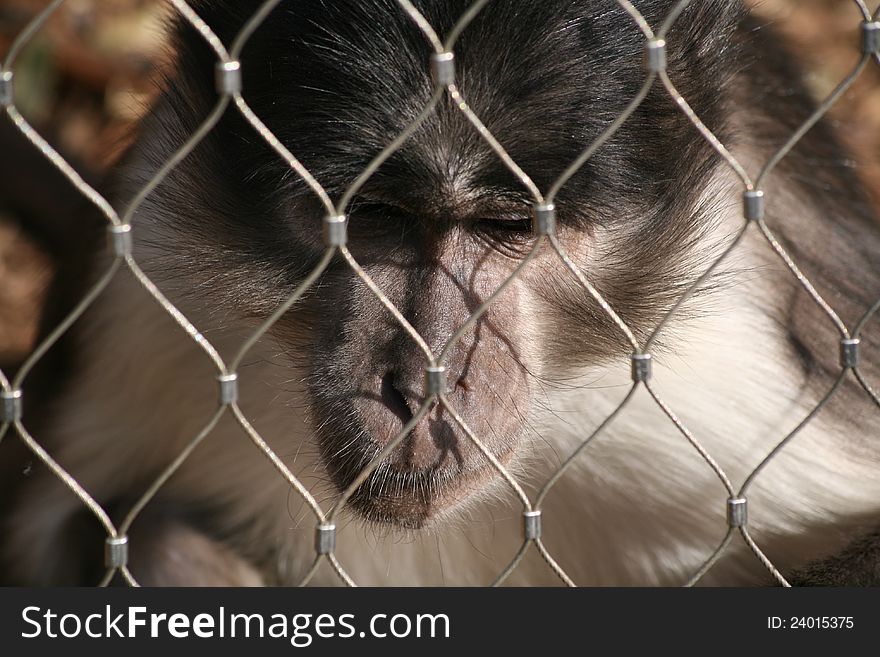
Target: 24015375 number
811	623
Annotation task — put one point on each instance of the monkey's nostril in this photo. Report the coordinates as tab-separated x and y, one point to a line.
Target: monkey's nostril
393	399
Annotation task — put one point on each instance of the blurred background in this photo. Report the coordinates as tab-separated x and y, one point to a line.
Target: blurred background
86	79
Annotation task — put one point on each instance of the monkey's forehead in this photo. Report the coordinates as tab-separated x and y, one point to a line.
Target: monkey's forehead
338	81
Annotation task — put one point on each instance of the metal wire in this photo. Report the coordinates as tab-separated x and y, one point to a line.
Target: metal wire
234	97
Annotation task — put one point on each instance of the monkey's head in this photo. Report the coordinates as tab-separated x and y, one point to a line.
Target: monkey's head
444	222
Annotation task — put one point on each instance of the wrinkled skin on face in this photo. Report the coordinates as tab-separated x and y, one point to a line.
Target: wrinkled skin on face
369	373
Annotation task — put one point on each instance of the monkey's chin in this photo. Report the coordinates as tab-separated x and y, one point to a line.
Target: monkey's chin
421	499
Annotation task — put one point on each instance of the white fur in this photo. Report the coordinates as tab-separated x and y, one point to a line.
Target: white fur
638	507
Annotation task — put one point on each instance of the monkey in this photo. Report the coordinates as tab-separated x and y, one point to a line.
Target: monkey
232	231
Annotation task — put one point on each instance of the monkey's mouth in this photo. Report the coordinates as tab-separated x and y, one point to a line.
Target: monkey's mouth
434	468
417	499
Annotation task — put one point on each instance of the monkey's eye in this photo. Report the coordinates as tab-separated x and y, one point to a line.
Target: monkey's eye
376	210
513	228
509	235
375	218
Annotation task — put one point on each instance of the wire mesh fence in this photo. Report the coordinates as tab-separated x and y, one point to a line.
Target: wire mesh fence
441	70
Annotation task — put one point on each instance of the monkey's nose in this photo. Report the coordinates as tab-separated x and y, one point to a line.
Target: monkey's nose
429	442
397	398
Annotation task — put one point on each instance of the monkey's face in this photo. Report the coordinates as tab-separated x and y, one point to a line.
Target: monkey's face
444	223
368	372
